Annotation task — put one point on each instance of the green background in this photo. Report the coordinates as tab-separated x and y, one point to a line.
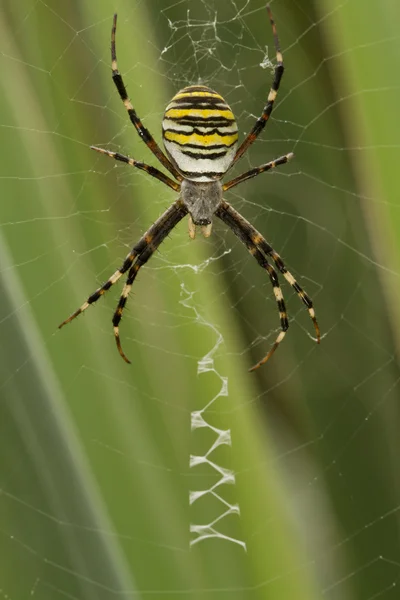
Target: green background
94	471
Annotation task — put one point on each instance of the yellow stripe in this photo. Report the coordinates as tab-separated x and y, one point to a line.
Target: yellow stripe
177	113
202	140
201	94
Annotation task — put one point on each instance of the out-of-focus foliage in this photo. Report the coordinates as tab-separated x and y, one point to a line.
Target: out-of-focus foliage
95	474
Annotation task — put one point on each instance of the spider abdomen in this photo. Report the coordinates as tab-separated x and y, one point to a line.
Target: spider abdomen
200	133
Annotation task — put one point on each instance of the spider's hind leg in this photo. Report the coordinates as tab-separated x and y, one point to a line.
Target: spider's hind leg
153	238
138	256
102	290
260	248
304	297
279	300
244	234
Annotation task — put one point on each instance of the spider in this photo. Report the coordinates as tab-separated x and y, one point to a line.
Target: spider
200	138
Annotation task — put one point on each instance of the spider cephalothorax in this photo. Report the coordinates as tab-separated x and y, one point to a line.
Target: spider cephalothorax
201	201
200	137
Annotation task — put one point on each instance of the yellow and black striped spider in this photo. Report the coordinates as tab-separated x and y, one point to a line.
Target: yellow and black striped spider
200	137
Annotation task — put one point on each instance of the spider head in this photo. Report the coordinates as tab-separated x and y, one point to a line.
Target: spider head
201	200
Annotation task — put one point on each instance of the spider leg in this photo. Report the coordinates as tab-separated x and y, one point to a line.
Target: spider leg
304	297
162	223
140	165
159	233
144	133
251	237
262	261
245	238
261	121
257	171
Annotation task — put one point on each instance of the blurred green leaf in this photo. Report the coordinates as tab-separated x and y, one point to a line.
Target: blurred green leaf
96	479
95	454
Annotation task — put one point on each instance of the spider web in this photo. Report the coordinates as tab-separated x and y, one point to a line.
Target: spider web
183	475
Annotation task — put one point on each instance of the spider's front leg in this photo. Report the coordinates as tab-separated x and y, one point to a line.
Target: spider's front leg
267	110
139	165
144	133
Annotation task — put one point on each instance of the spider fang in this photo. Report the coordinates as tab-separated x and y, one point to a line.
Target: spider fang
205	229
192	228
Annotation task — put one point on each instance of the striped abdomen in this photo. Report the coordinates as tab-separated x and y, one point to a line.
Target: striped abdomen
200	133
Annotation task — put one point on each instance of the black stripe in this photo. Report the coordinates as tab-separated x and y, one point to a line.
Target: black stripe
198	100
204	156
205	148
307	300
107	285
202	103
196	174
195	119
296	286
198	132
281	306
94	297
197	88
